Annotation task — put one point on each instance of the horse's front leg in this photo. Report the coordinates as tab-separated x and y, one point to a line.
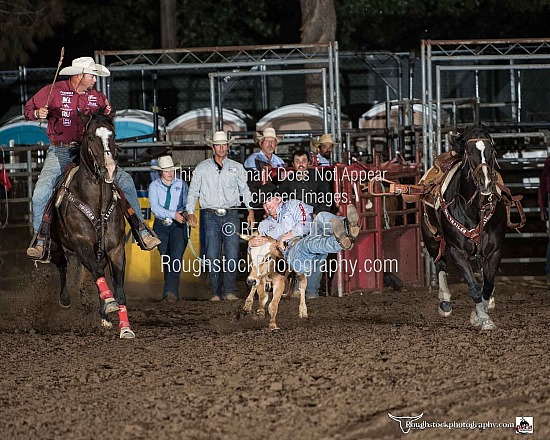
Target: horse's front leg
490	268
434	248
107	302
60	260
479	316
445	305
117	264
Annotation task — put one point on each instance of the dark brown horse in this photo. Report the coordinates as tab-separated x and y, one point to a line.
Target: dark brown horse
468	219
89	221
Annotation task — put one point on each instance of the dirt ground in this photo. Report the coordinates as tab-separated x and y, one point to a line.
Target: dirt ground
203	370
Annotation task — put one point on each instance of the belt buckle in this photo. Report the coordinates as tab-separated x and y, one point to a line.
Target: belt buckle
220	212
166	221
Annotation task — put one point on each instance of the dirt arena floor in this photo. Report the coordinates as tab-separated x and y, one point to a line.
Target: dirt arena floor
202	370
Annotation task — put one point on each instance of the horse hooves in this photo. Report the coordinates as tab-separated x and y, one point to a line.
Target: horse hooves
126	333
258	316
106	324
484	325
474	320
111	307
445	308
65	302
273	327
488	325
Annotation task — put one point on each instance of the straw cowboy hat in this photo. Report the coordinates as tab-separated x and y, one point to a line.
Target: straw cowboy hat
268	133
324	139
165	164
219	138
85	65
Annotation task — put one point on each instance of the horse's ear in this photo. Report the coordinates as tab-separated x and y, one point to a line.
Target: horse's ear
457	142
112	113
454	138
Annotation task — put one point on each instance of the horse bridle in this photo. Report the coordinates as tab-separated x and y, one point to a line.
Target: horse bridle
99	224
475	171
97	170
486	209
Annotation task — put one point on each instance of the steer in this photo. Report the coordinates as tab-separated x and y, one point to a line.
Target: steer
270	270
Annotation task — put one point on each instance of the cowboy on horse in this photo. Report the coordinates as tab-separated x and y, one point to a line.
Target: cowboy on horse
61	104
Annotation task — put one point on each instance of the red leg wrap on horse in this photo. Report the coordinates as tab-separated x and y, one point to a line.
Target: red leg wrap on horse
106	295
102	284
123	317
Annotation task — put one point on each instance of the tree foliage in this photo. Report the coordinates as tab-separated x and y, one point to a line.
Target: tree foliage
23	24
399	25
33	31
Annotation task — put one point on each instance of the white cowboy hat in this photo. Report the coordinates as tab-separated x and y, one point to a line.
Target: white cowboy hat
268	133
324	139
219	138
165	164
85	65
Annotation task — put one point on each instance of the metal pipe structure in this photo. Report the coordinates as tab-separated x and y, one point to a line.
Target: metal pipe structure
338	114
321	71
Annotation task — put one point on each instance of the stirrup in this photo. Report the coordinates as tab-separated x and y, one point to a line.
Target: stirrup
139	238
33	246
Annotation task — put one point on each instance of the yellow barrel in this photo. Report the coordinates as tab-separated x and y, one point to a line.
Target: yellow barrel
144	267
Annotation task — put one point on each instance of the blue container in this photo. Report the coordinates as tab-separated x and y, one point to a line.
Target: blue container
23	132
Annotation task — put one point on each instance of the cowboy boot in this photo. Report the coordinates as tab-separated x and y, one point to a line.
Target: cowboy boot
148	240
38	248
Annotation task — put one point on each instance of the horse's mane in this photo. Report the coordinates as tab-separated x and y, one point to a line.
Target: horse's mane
98	116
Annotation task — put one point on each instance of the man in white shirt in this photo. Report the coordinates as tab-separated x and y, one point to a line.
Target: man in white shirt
219	183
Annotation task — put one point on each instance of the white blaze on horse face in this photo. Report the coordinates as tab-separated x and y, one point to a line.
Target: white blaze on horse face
480	145
104	134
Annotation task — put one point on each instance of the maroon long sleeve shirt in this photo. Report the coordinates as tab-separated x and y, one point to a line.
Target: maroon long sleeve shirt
64	124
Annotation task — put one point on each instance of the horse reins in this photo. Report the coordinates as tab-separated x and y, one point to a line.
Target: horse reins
97	223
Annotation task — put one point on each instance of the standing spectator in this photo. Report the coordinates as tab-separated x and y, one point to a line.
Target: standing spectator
259	166
266	157
60	104
306	184
323	149
168	198
219	183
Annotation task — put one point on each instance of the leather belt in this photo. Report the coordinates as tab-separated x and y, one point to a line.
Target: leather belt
219	211
63	144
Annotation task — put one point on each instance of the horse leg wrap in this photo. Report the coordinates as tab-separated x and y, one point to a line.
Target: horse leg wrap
107	296
123	317
444	292
104	291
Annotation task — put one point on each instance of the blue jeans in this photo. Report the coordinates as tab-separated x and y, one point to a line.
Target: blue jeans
307	253
217	236
314	278
173	241
56	161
